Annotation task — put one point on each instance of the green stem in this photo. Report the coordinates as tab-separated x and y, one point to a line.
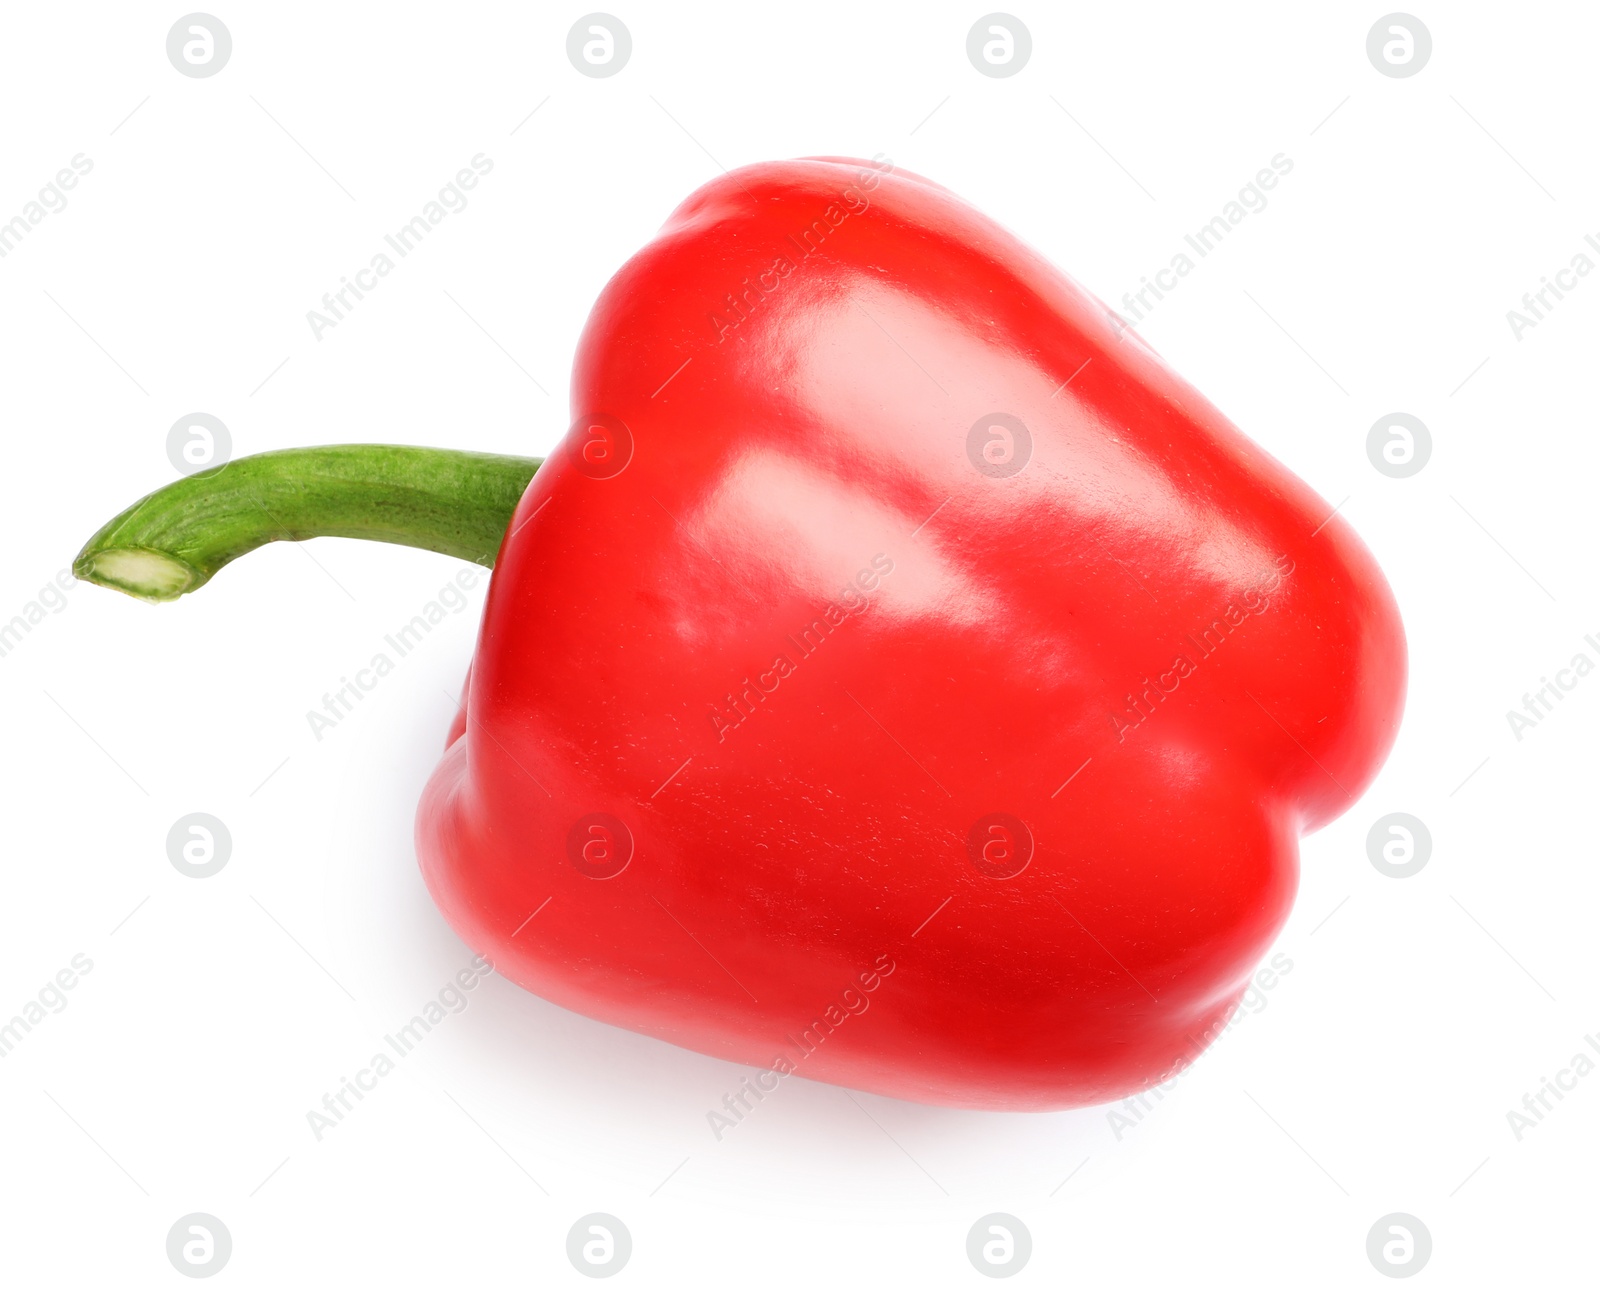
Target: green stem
172	541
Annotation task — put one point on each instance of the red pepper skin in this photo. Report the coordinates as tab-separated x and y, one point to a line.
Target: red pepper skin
804	890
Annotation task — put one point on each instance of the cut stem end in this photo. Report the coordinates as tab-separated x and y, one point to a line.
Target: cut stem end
144	573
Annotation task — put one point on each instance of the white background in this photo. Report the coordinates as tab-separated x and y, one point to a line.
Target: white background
1377	1077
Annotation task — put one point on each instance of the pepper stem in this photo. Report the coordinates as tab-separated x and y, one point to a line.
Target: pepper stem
444	500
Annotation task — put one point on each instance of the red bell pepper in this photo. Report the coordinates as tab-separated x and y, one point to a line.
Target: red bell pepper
897	675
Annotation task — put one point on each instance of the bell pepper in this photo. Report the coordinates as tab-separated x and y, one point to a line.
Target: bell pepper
896	676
